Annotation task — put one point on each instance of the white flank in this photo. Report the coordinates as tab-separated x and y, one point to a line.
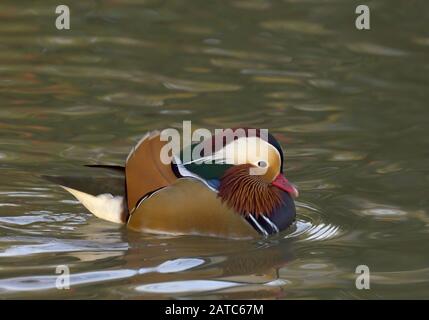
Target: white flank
104	206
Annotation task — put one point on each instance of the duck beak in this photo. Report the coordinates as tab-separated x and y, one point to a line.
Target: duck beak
283	184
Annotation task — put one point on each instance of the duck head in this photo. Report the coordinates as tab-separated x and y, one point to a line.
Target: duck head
247	172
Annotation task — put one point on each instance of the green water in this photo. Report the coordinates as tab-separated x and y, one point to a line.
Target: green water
349	107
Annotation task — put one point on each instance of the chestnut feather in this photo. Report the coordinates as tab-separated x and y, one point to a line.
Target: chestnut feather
248	194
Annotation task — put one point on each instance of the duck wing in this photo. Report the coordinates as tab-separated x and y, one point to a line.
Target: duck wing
144	170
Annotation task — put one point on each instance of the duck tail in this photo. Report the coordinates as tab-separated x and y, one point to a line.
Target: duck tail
104	204
119	169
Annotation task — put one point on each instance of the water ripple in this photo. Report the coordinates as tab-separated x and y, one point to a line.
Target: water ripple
310	226
60	245
186	286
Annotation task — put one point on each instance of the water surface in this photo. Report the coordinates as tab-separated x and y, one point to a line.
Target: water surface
348	106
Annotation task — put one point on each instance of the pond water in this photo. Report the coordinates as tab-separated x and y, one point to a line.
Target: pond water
348	106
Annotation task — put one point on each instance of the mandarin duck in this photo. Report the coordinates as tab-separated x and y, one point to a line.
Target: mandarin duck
197	197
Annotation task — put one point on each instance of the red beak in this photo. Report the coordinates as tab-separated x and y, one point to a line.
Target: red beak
283	184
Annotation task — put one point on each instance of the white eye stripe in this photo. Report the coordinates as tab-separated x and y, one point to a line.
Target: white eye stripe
215	158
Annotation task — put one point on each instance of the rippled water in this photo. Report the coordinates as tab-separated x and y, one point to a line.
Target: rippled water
349	107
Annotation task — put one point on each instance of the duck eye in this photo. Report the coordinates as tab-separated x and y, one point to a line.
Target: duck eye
262	164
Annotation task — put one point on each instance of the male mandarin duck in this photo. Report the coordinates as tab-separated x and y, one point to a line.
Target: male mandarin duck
197	197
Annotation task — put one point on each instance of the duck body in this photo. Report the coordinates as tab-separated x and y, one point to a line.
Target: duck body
220	200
